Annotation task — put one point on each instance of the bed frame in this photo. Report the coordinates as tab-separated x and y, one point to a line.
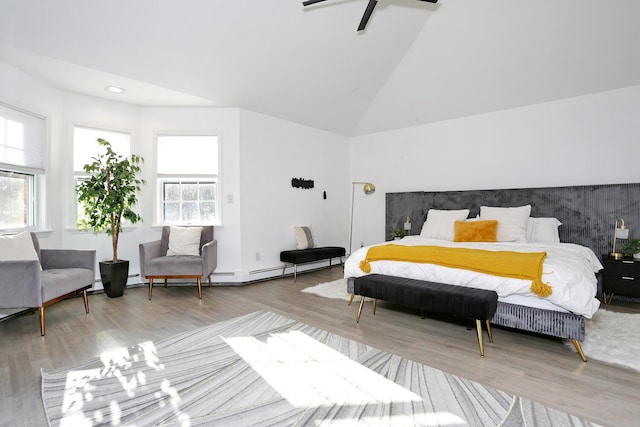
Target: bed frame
587	212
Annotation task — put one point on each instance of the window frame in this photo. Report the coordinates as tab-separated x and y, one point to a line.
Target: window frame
31	182
33	163
162	178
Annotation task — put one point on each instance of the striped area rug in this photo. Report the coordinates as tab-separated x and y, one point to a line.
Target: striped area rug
263	369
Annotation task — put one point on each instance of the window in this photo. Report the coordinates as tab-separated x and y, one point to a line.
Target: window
187	172
16	203
22	159
85	147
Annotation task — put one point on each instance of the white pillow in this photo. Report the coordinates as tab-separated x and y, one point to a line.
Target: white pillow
512	222
18	247
304	237
543	230
440	223
184	241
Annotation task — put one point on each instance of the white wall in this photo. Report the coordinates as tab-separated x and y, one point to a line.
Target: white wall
259	156
273	151
578	141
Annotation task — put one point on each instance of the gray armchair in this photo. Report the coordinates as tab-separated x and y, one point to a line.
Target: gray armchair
155	264
65	272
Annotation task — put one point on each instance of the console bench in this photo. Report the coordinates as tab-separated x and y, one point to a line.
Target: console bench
302	256
459	301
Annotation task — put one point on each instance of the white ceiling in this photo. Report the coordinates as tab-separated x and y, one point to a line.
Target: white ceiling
415	63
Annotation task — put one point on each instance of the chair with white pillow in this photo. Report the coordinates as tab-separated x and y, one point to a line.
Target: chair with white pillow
181	253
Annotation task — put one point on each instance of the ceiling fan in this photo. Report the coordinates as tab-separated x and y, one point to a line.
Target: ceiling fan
367	13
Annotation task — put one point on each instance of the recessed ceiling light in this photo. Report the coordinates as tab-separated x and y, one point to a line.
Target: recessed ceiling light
114	89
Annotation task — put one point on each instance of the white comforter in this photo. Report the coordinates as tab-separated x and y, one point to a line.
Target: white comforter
569	269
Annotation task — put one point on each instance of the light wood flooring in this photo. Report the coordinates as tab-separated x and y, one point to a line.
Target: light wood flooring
538	368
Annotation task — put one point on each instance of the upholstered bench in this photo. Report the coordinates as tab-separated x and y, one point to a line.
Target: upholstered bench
459	301
302	256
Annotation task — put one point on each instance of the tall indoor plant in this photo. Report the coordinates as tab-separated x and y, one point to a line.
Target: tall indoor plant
108	196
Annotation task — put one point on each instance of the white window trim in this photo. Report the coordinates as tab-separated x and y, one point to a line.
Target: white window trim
158	221
39	199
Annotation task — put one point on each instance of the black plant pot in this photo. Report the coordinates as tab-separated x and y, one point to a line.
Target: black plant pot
114	277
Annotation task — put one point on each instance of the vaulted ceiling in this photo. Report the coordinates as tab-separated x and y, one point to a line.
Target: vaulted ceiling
415	63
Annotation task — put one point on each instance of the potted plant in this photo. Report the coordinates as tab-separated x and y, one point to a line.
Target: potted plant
397	234
631	248
108	196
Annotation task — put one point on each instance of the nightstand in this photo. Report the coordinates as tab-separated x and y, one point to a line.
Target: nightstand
620	277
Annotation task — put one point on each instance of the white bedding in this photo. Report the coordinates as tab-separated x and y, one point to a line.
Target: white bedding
569	269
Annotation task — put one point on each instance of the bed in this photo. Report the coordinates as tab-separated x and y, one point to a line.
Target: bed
574	224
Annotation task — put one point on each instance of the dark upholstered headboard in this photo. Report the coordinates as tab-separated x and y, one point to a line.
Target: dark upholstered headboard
586	212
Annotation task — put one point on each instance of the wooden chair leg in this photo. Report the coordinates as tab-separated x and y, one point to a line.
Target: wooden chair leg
165	282
86	301
209	277
150	288
199	288
41	310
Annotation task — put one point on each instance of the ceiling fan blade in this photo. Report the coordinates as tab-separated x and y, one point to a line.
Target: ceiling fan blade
310	2
367	14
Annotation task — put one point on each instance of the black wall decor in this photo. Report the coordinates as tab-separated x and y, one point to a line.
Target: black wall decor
302	183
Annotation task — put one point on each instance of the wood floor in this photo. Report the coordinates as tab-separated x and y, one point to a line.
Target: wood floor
538	368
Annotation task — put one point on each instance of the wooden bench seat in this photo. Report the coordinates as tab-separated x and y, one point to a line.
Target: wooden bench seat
302	256
459	301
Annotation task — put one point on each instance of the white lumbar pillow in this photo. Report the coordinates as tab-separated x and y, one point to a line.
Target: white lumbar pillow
184	241
18	247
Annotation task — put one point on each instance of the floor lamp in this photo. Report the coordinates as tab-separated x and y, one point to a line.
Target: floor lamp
368	189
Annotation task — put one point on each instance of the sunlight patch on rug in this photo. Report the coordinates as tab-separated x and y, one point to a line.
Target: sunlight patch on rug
308	373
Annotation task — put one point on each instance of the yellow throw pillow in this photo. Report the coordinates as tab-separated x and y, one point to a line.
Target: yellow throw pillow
475	231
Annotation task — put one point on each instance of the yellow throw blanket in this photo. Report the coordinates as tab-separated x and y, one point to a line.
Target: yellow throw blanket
518	265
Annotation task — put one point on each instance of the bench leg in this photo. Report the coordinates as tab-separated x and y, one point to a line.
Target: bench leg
578	347
360	309
295	272
351	298
284	267
480	343
375	304
489	331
